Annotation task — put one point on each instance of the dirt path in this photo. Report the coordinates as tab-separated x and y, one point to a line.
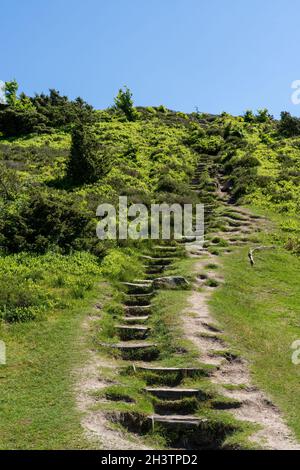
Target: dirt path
202	329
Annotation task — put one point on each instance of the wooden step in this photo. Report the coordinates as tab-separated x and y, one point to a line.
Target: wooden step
129	332
166	393
185	371
137	288
187	421
129	345
155	269
165	247
158	261
166	251
137	299
134	350
187	239
137	310
132	319
132	327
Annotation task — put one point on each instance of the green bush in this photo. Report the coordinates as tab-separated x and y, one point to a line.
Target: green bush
89	161
124	103
122	265
48	220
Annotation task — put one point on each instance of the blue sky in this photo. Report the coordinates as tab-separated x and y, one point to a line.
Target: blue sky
218	55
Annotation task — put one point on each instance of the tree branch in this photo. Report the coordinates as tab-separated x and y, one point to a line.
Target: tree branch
257	248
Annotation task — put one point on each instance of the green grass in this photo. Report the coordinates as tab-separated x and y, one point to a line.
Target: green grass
37	405
38	408
212	282
259	308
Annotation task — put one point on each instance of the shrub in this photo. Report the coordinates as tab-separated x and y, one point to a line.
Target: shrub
121	265
48	220
17	122
124	102
88	161
20	300
289	126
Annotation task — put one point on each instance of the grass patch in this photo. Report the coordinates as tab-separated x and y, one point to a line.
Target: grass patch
212	282
211	266
259	309
38	409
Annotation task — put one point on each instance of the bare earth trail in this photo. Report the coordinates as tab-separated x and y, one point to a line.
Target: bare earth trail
204	331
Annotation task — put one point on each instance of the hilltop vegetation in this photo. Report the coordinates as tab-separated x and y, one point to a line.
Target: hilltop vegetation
60	159
55	172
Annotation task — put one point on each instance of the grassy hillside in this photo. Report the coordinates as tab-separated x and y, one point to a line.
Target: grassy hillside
51	261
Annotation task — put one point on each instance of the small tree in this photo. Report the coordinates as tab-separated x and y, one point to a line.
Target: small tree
124	102
11	89
263	115
10	185
249	116
289	126
88	161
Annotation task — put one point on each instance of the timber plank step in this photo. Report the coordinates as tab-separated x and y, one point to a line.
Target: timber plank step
129	332
132	327
163	261
129	345
185	371
132	319
136	310
136	288
134	350
186	420
155	269
167	393
137	299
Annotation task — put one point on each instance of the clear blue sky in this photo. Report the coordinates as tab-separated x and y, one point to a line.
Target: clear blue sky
215	54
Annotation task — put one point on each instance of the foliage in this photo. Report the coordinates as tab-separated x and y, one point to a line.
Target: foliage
10	184
289	126
11	89
89	161
124	103
45	221
121	265
41	113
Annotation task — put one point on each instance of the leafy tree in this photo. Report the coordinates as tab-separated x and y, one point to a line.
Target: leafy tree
124	102
9	183
263	115
21	120
249	116
48	220
89	161
289	126
11	89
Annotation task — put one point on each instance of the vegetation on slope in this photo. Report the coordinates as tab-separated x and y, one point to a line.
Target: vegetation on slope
60	159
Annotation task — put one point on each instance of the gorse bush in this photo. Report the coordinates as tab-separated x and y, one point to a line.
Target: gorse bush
40	114
32	289
89	160
122	265
289	126
47	220
75	158
124	103
21	301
